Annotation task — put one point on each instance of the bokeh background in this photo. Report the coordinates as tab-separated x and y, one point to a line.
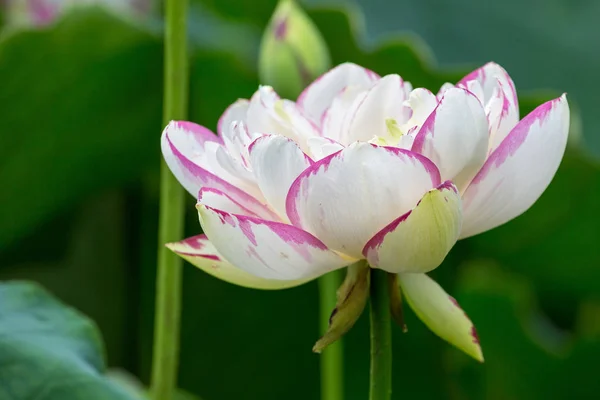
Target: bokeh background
80	105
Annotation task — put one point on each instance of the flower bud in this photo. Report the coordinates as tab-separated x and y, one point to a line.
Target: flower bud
351	300
293	53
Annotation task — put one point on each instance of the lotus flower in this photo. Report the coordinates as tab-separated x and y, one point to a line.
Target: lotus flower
364	167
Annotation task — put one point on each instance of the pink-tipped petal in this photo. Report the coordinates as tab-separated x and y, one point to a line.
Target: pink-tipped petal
502	115
440	312
191	135
269	250
346	198
519	170
498	95
419	240
234	113
179	152
318	96
383	102
455	136
488	77
201	253
276	162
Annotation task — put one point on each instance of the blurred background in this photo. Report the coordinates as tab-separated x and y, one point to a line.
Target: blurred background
80	102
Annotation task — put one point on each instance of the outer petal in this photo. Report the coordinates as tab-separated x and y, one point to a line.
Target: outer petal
317	97
383	102
235	112
198	251
178	151
455	136
346	198
419	240
440	312
519	170
190	135
276	162
269	250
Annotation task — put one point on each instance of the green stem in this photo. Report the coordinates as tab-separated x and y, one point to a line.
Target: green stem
171	216
332	358
381	337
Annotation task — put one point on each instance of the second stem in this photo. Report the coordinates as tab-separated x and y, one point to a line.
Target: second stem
332	358
381	337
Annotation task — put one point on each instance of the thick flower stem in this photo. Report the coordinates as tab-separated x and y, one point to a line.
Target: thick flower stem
332	358
381	337
168	282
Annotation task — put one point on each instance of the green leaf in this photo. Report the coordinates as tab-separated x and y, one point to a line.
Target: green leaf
527	356
49	351
80	112
550	50
552	242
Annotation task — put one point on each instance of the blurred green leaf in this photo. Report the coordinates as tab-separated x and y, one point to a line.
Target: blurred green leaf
49	351
542	45
80	112
555	242
91	262
526	356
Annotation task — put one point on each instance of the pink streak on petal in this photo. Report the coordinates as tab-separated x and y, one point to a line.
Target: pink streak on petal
246	228
225	217
208	179
375	242
370	249
474	335
426	129
290	202
207	256
448	185
453	300
280	29
221	193
196	242
323	165
476	75
201	133
430	167
514	139
294	237
42	12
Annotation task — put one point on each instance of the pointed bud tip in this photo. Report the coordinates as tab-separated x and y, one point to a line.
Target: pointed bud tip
293	53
